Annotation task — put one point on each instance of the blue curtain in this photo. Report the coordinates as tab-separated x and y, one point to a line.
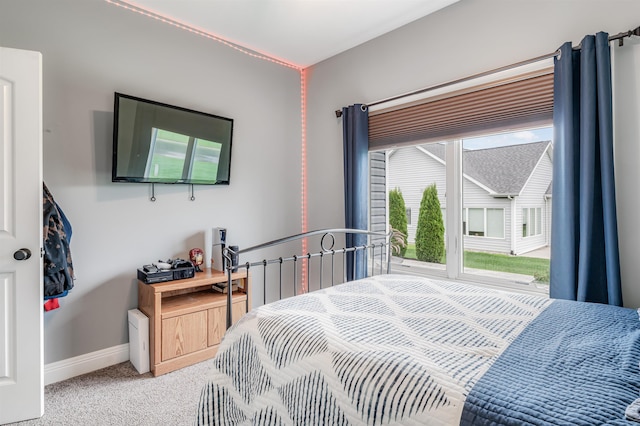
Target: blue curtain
355	132
585	262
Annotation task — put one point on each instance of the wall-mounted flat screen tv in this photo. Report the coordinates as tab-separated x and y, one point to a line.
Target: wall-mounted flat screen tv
159	143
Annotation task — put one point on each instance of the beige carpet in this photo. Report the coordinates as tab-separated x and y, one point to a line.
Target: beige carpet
118	395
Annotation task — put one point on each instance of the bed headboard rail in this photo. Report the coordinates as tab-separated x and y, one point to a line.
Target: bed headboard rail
369	258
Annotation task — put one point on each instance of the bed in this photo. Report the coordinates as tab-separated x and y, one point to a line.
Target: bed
410	350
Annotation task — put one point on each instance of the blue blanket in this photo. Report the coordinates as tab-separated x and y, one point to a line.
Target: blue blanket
576	364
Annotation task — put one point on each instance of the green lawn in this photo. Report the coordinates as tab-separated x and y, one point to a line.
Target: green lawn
539	268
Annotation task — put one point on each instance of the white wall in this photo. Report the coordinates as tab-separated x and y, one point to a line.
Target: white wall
626	66
469	37
91	49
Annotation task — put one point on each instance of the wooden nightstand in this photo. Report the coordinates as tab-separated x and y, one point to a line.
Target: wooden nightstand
187	318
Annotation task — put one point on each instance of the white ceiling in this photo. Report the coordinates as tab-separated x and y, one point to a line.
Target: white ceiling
300	32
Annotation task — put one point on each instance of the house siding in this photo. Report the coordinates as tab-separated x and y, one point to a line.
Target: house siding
532	196
377	196
413	171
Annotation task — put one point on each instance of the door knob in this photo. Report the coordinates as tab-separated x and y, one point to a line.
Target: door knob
22	254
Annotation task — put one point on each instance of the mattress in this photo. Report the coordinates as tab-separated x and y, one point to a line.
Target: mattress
400	349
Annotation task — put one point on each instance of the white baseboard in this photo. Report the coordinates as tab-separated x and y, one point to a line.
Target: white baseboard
82	364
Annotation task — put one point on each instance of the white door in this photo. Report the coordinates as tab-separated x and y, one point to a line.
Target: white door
21	336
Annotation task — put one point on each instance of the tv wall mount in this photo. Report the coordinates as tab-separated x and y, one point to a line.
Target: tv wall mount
153	198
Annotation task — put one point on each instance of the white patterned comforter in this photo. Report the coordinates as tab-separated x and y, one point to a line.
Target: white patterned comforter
390	349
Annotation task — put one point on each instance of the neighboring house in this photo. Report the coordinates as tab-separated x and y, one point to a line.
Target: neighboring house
506	192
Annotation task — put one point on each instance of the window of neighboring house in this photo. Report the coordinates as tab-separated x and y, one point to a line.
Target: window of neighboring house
485	222
531	222
495	223
408	215
476	222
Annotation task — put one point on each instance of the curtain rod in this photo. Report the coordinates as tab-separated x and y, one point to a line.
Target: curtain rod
620	37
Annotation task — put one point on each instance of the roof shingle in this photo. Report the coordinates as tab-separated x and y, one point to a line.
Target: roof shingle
504	170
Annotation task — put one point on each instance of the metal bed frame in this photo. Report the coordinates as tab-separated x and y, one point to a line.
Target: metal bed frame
377	246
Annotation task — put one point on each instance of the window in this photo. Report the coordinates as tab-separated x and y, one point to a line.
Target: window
499	171
476	222
487	145
495	223
483	222
531	222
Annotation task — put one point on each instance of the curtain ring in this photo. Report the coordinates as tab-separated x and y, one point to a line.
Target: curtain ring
363	107
558	54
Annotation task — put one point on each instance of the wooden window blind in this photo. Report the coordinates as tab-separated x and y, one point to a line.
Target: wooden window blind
499	106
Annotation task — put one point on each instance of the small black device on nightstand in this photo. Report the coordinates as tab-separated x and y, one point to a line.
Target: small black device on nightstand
149	274
179	269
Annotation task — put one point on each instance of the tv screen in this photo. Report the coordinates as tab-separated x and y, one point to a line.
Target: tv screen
159	143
